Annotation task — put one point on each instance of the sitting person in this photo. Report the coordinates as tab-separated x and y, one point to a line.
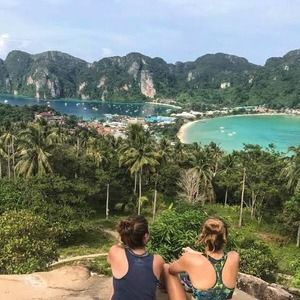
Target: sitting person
212	274
135	272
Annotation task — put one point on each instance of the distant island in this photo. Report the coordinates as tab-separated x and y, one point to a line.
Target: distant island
211	80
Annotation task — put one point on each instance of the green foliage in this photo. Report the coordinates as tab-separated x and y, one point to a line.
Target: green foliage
195	84
257	259
61	202
100	266
26	243
291	214
174	230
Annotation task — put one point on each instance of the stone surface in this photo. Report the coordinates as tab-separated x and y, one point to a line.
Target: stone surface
67	283
260	289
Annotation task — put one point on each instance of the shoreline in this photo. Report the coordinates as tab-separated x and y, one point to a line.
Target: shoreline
90	100
181	132
164	104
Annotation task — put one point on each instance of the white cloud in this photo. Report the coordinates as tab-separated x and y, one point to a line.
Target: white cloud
3	40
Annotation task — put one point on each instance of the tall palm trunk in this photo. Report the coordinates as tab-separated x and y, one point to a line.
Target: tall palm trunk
155	200
226	196
140	192
107	200
13	157
242	199
135	183
77	154
298	236
8	161
253	201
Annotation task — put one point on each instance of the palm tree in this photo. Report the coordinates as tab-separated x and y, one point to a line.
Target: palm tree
202	163
136	137
292	169
3	157
137	159
164	153
33	152
8	139
215	153
227	164
56	136
95	152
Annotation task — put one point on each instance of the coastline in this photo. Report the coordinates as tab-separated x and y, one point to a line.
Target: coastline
181	132
164	104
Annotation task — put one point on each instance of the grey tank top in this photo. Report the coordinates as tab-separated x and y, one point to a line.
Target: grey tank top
140	282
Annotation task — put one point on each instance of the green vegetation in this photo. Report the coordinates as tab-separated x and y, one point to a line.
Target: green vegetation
27	243
211	80
61	174
174	230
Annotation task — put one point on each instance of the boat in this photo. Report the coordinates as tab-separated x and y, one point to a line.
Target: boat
66	104
5	101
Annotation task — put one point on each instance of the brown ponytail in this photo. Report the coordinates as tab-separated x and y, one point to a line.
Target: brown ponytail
214	234
132	231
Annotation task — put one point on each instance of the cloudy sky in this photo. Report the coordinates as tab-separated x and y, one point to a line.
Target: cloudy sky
176	30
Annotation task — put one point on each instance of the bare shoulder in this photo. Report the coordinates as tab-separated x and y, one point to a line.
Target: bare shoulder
158	259
115	251
234	256
192	258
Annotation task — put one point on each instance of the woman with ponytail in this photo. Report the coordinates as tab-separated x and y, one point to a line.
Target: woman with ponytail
135	272
212	274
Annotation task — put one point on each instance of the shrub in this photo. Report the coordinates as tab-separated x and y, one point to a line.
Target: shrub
295	265
26	243
296	279
174	230
61	202
257	259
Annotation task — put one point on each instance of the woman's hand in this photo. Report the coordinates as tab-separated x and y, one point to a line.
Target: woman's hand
190	250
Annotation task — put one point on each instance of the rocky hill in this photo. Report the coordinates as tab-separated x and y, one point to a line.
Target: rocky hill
213	78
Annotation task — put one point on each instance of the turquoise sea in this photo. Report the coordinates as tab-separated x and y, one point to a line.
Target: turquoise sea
89	110
233	131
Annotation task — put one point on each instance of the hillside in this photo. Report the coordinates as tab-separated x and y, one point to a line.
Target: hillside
219	78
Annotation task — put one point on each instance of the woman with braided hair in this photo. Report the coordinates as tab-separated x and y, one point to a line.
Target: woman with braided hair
135	272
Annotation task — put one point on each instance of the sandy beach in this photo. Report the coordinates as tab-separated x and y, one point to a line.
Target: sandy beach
184	127
164	104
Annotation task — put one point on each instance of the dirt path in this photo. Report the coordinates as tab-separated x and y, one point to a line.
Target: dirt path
112	233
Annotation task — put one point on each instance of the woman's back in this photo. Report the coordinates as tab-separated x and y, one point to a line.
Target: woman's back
213	278
139	283
213	275
135	272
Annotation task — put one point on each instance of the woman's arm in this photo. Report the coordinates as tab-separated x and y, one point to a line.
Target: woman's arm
178	265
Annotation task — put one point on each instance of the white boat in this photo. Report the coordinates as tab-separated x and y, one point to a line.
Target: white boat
66	104
230	134
77	104
5	101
